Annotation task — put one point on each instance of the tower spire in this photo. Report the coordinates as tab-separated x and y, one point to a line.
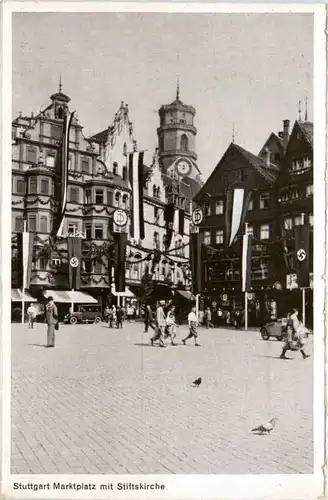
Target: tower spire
178	89
60	83
306	109
233	134
299	110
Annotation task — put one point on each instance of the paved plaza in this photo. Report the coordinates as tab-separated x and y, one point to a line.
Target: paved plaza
104	402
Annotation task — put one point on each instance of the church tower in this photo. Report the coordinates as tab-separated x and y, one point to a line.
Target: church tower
177	138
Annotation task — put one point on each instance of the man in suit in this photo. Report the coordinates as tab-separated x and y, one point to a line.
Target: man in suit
160	325
52	320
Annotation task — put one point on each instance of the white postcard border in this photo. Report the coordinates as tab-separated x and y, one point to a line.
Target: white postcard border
176	486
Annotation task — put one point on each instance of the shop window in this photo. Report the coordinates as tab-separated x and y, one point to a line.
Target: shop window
88	231
309	190
21	186
184	143
43	224
44	186
219	236
50	160
265	232
32	223
207	237
99	232
98	267
219	207
264	200
298	221
88	196
19	224
85	166
109	197
288	223
33	187
31	154
74	195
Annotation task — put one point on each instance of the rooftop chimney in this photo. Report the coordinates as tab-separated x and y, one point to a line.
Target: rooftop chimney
285	135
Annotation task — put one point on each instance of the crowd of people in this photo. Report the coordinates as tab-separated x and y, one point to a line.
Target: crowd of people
162	320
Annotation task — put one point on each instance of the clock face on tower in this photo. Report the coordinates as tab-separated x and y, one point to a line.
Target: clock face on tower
183	167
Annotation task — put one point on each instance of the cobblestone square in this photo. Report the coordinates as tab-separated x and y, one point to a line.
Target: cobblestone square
104	402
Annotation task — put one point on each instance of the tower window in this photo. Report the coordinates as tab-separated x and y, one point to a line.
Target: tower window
184	143
60	113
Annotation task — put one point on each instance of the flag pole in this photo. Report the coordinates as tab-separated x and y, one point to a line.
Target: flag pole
23	285
246	297
303	289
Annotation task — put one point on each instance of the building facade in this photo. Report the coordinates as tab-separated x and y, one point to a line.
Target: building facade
98	184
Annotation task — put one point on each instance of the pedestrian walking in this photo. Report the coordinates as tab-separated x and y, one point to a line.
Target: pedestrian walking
296	336
193	323
52	321
31	314
106	313
171	325
208	318
238	319
149	318
160	325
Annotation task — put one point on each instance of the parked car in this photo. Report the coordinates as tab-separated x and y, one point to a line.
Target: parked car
276	328
84	313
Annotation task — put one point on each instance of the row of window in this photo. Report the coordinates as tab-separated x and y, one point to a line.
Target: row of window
294	193
291	222
49	159
299	164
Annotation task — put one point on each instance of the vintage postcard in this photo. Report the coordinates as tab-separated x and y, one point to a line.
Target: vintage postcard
163	250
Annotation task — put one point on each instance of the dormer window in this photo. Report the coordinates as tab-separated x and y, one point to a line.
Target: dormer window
115	168
60	113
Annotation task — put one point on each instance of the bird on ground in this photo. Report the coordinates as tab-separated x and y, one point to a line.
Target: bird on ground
265	428
197	382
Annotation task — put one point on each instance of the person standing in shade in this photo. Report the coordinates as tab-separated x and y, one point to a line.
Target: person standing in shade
52	320
193	323
160	325
31	313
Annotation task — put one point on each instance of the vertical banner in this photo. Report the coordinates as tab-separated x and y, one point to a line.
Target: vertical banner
195	262
237	201
169	221
137	226
27	254
302	252
120	258
181	221
74	247
61	182
246	262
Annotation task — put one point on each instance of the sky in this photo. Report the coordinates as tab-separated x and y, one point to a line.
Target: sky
241	71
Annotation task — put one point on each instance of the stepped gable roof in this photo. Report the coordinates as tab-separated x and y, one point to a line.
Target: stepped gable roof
307	129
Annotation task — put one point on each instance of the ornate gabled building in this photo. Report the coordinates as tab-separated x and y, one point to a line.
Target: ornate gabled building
281	181
97	185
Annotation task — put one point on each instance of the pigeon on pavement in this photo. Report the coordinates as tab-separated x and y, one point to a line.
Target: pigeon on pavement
265	428
197	382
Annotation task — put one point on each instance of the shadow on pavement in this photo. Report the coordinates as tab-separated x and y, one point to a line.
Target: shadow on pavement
38	345
274	357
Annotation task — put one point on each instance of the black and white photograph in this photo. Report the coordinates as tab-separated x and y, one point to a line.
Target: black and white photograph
163	251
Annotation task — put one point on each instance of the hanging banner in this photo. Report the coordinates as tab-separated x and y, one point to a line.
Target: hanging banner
196	262
74	247
246	262
120	240
302	252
